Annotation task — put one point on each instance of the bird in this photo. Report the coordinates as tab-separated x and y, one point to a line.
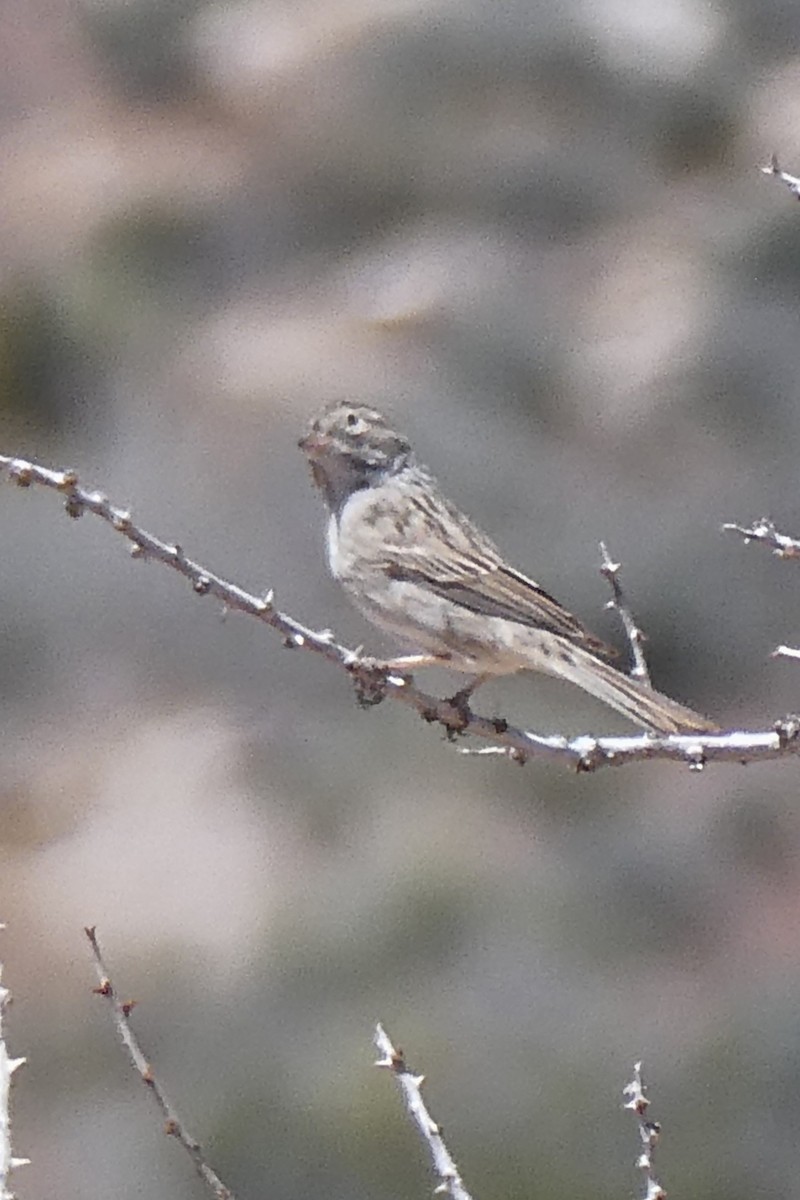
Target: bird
421	570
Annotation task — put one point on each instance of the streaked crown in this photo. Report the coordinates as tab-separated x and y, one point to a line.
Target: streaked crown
351	447
357	432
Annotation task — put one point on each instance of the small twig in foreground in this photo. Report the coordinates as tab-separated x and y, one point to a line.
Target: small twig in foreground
791	181
410	1084
8	1163
636	638
173	1125
649	1132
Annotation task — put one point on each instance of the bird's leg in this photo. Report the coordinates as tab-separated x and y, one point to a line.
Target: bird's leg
460	701
370	673
407	662
403	665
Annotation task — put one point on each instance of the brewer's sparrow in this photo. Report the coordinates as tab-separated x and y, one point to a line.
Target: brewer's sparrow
418	568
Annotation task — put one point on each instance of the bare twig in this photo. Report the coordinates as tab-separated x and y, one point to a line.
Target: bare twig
791	181
766	532
786	652
782	545
410	1084
584	752
8	1162
649	1131
173	1125
588	753
636	638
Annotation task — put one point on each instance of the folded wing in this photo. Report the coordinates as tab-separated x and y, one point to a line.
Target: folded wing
467	569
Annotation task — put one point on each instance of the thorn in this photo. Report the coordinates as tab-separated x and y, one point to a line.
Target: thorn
23	475
68	480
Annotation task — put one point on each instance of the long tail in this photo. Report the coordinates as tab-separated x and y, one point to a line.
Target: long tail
631	697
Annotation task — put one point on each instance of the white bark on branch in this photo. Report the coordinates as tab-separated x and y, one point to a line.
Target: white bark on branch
8	1162
765	531
610	570
584	752
791	181
450	1183
786	652
782	545
636	1101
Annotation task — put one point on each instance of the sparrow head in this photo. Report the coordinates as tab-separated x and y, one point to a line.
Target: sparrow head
350	446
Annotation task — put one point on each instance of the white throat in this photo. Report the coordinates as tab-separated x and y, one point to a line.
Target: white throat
333	545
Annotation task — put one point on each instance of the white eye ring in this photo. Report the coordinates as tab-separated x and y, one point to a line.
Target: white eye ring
356	427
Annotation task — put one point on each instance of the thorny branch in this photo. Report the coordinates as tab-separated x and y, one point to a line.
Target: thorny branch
781	544
450	1183
636	639
791	181
9	1162
373	683
636	1100
765	531
173	1125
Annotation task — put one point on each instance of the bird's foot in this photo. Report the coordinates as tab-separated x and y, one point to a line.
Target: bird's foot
462	713
371	677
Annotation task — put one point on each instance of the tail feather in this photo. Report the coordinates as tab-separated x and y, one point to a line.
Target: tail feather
633	698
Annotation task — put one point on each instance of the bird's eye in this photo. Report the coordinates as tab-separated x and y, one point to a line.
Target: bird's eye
355	423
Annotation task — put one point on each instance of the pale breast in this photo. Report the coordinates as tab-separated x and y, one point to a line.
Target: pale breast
332	546
358	536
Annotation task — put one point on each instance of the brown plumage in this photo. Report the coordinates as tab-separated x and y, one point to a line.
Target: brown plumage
416	566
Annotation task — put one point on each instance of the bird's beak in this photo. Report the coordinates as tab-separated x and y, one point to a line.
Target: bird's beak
314	444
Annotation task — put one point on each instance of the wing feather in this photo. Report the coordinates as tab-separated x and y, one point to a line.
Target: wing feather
438	548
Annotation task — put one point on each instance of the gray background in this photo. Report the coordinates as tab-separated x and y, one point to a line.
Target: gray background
536	233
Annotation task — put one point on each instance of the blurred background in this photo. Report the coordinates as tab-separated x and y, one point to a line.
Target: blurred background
537	235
